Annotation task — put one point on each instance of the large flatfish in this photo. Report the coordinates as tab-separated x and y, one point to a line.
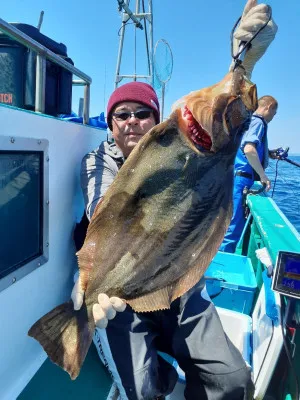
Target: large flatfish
162	220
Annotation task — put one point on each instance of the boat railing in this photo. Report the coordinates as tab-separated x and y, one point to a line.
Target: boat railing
43	54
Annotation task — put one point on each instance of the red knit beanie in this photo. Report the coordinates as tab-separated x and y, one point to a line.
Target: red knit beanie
138	92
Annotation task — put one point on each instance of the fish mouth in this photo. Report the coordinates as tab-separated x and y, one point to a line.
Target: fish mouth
197	133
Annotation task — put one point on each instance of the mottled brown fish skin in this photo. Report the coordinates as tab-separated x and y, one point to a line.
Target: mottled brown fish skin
161	221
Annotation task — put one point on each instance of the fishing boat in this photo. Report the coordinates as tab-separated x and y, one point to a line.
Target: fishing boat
40	204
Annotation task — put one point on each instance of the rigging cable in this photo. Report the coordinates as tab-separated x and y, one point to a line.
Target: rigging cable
135	28
146	38
124	24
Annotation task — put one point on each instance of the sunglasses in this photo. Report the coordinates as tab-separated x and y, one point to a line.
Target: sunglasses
124	115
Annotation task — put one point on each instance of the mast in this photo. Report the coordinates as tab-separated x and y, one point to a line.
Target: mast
143	23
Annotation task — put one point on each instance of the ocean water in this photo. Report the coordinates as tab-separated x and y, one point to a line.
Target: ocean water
287	188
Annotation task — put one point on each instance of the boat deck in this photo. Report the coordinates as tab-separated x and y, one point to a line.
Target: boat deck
51	382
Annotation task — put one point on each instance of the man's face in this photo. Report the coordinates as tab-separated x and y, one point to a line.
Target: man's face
128	132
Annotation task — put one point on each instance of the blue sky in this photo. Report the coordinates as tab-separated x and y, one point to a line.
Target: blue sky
198	33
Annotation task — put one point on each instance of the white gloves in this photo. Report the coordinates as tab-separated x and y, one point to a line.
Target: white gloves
253	18
104	310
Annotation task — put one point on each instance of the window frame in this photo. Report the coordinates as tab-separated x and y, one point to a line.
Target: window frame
24	144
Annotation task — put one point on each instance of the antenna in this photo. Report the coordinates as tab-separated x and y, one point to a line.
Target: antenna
142	21
40	20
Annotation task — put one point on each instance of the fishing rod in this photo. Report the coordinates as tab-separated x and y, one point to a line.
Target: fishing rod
282	155
291	162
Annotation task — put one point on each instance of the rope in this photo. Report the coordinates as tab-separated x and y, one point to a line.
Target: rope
276	173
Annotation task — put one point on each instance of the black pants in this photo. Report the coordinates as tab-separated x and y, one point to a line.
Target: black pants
192	333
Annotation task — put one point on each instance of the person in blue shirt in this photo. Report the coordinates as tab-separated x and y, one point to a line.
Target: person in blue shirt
250	164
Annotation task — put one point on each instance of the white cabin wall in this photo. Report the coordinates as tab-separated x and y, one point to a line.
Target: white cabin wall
25	301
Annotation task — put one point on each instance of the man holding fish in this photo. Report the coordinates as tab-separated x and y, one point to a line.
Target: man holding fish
190	330
156	223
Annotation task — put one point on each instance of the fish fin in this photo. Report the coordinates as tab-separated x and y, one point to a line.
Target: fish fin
187	281
65	335
86	256
158	300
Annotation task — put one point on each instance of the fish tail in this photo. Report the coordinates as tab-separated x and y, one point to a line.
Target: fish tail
65	335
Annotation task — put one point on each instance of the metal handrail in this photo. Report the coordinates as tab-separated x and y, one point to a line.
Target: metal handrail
44	53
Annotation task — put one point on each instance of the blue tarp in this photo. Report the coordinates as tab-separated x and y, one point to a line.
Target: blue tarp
97	122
